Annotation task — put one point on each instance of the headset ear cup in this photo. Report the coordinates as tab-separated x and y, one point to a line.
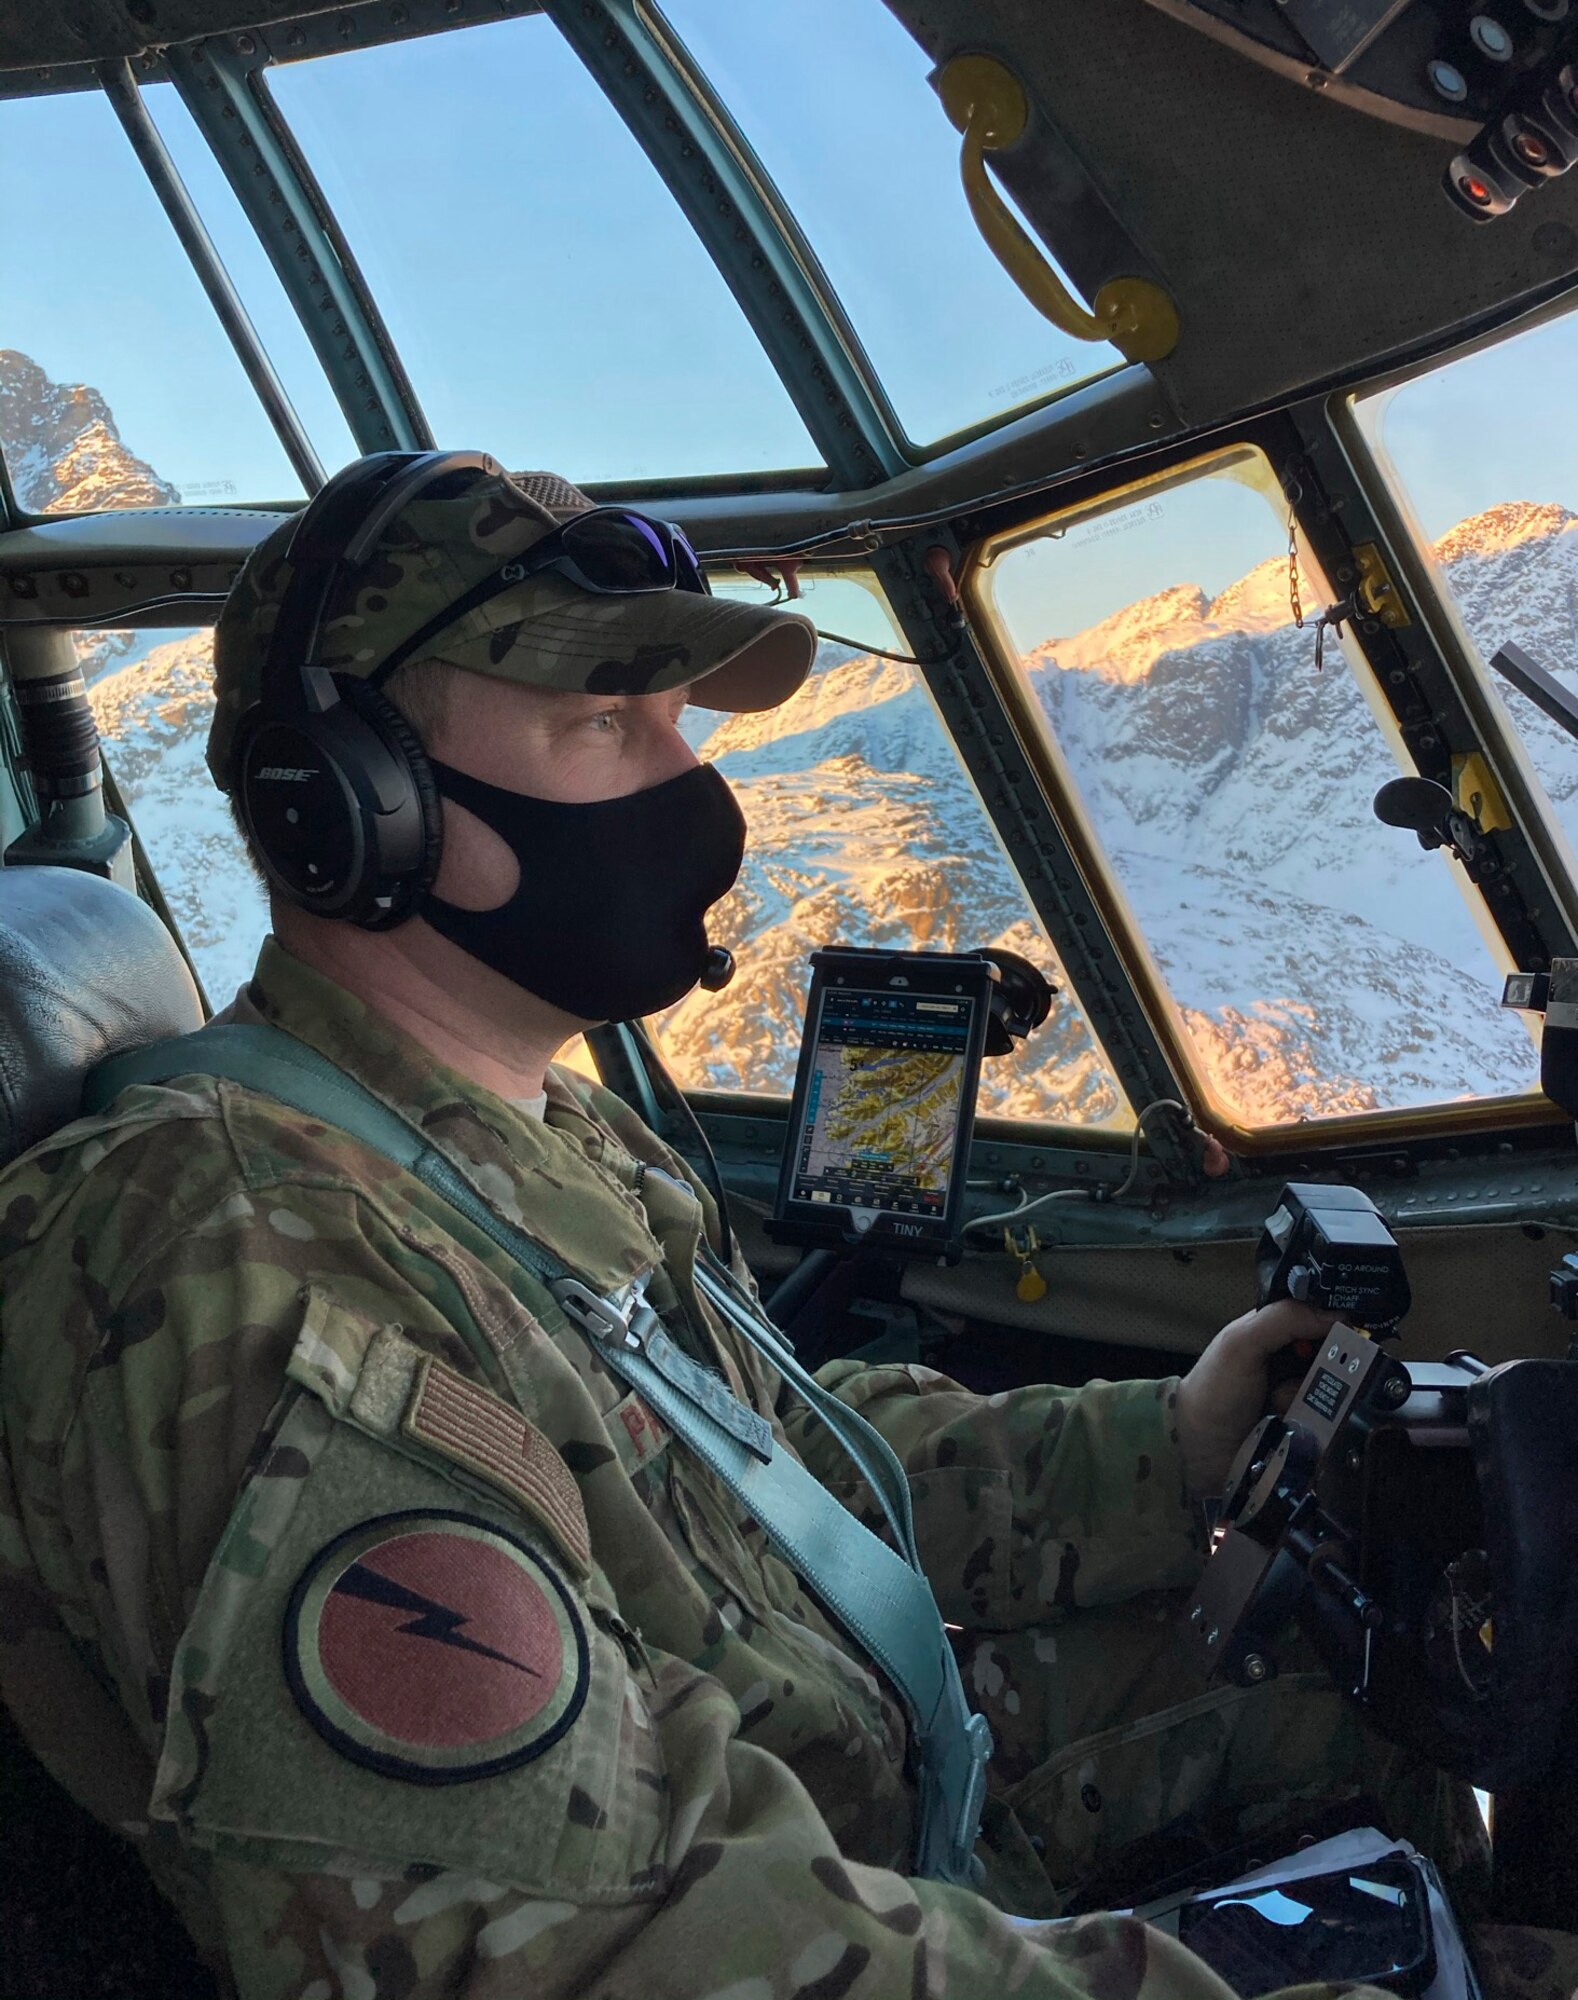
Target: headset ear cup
342	809
380	713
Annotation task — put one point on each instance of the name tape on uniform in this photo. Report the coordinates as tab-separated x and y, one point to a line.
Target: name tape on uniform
639	1433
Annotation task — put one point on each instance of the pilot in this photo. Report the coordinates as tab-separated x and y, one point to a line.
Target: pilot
427	1658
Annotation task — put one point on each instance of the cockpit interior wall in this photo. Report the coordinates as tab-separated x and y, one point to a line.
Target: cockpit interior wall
1299	238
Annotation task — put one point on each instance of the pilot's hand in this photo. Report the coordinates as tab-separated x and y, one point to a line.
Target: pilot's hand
1224	1394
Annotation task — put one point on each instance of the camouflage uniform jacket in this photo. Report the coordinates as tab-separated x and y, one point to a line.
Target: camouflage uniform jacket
285	1439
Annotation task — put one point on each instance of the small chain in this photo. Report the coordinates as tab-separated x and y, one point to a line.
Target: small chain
1331	620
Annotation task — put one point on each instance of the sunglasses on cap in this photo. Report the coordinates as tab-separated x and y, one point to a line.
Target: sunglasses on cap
609	551
612	550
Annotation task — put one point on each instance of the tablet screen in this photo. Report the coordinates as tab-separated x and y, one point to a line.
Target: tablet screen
880	1124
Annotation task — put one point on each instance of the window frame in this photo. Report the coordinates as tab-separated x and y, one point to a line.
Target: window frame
224	309
1089	499
1014	1145
915	452
1387	494
731	163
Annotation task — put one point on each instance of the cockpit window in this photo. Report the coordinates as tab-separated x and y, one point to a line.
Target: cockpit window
1485	451
864	830
833	96
283	337
1320	963
547	296
152	695
117	386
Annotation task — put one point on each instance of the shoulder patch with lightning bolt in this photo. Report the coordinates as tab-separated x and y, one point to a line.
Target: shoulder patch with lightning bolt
434	1647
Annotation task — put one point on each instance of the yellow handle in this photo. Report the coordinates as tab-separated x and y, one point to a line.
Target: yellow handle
987	104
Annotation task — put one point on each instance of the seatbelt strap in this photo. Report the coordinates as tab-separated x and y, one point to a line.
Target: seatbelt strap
873	1456
881	1597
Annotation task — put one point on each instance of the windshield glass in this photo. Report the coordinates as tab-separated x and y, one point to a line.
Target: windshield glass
864	830
273	316
118	387
548	298
1321	963
1485	452
833	96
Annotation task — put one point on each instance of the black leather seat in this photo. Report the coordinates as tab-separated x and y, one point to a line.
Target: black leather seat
86	970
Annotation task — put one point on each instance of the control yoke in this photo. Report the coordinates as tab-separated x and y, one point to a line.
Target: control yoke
1419	1520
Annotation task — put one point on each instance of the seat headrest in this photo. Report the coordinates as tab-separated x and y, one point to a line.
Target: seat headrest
86	970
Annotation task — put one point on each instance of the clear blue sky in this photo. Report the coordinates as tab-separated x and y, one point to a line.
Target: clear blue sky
552	305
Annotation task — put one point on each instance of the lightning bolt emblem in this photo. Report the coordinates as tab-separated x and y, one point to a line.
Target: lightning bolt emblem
435	1621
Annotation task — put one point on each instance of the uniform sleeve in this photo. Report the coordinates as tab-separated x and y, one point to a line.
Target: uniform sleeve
1028	1502
750	1920
139	1381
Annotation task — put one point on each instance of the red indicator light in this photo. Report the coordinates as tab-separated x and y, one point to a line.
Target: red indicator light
1476	190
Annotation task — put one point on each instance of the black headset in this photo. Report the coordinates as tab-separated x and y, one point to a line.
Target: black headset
332	783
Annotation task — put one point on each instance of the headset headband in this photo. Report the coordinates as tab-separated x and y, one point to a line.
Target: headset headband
337	531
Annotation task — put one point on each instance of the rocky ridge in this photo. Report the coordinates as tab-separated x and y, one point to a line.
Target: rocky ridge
62	449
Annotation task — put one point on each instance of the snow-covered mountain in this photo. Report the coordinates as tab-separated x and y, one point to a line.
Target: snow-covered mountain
1514	574
1321	962
865	831
62	448
153	715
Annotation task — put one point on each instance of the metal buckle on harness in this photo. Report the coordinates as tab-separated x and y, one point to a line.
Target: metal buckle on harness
969	1827
612	1320
953	1755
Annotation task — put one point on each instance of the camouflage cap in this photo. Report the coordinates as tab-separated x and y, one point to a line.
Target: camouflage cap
545	633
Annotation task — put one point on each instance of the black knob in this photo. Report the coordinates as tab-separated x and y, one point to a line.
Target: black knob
1419	804
1564	1287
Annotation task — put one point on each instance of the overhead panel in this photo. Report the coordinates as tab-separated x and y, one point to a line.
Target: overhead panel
1301	238
1442	67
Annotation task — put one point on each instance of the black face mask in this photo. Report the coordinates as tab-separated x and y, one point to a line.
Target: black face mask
607	919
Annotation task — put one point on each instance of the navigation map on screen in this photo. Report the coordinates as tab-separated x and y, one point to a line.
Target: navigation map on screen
882	1106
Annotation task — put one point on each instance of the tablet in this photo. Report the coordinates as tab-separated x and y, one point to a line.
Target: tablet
1365	1925
884	1099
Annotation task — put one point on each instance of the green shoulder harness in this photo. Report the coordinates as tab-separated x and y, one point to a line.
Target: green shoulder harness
881	1597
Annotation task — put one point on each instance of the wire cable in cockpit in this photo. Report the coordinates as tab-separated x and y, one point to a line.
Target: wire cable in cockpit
1099	1193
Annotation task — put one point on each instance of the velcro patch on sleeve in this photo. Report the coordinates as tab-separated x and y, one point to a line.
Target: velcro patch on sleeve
432	1647
475	1429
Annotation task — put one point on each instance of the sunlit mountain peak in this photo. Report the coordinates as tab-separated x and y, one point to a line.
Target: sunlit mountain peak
62	448
1125	646
1260	601
1502	528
